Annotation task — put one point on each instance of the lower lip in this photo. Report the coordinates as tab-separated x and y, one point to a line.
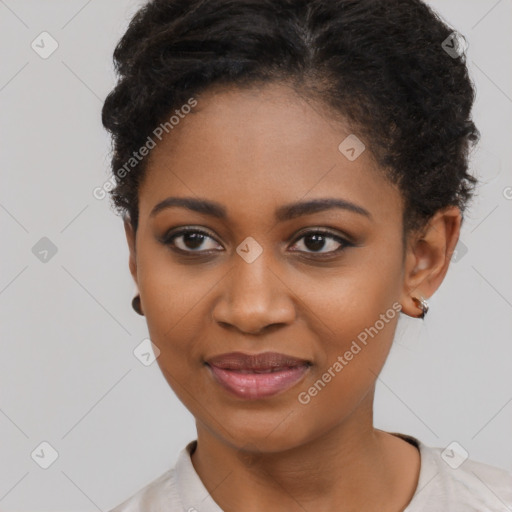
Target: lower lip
253	386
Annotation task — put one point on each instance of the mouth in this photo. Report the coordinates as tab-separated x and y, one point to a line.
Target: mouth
257	376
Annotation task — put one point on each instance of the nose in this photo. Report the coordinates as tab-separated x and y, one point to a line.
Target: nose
254	298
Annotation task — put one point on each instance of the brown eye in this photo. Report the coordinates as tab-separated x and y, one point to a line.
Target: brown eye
315	241
191	240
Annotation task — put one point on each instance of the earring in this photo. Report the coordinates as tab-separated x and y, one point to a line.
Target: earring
422	304
136	304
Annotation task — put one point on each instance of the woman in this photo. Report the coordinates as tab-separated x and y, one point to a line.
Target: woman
292	176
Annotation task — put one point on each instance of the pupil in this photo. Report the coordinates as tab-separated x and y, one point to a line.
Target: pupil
318	242
196	240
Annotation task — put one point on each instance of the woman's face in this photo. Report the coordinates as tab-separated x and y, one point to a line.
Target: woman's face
257	282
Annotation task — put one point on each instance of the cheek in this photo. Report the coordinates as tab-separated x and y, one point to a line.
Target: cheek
173	298
350	363
359	312
352	298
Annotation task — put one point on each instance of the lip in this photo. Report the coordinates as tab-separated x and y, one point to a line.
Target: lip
256	376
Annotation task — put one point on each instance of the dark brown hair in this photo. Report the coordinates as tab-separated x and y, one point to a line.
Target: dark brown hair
382	65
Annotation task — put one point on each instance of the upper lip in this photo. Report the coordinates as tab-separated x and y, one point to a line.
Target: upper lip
262	361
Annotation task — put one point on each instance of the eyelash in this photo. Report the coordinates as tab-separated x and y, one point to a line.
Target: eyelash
169	238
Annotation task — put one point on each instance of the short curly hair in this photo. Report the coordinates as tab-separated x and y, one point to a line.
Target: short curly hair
380	65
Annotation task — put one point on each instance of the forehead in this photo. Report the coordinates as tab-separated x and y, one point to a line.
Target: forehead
255	149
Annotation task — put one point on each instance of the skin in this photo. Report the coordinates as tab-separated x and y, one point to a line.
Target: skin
253	151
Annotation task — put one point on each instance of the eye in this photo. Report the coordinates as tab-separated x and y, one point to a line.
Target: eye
193	240
190	240
318	239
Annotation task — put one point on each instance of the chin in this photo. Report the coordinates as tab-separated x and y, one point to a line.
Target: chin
264	431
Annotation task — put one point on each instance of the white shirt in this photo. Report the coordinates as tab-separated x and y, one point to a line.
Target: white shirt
471	487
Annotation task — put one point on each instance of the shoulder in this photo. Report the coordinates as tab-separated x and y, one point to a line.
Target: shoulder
449	480
173	491
161	494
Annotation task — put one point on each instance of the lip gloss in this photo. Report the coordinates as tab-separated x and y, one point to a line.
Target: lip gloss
253	385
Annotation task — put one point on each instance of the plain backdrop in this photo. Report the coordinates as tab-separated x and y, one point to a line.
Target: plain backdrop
68	374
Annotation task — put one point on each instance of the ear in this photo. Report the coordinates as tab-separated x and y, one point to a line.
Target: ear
130	238
428	256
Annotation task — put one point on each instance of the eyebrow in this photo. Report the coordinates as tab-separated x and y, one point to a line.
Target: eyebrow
286	212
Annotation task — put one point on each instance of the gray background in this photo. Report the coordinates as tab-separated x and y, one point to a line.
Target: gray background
68	375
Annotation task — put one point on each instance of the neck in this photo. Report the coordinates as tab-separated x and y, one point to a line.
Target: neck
348	467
